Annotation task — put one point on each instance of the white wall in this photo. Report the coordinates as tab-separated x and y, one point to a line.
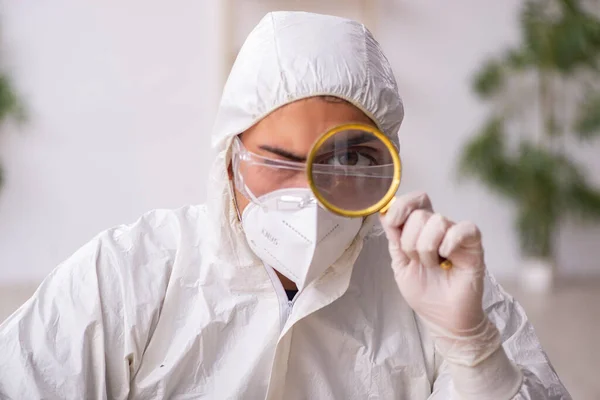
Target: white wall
122	97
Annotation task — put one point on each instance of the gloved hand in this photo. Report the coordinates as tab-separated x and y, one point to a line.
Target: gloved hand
450	302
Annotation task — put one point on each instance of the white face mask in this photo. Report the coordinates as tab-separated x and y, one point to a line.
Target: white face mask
300	243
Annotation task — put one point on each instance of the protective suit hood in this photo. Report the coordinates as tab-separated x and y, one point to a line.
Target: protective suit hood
287	57
294	55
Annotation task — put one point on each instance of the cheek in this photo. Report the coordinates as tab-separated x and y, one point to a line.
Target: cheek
262	180
259	180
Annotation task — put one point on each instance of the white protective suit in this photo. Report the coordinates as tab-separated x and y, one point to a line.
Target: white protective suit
176	306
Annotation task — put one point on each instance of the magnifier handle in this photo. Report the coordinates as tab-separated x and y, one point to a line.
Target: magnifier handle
445	264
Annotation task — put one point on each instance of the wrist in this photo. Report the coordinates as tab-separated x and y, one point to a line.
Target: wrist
495	378
467	348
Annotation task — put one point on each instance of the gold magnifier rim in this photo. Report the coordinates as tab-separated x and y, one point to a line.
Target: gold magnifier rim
385	200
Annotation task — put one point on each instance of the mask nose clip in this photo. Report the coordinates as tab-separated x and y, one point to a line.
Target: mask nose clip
294	202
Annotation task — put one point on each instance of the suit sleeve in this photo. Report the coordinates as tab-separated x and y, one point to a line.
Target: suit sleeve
520	353
81	335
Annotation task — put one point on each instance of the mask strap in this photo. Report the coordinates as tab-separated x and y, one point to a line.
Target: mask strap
232	194
237	210
247	191
250	194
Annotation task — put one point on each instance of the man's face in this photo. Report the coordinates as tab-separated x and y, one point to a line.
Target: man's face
290	131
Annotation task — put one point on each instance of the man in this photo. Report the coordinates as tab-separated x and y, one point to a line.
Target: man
182	304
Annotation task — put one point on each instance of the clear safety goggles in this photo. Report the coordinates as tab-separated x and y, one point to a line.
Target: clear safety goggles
353	172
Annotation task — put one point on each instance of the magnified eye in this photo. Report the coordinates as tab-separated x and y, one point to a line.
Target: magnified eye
351	158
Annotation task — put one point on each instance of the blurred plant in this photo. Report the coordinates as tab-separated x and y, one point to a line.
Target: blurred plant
541	91
9	107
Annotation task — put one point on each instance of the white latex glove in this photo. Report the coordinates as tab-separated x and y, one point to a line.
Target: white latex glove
448	301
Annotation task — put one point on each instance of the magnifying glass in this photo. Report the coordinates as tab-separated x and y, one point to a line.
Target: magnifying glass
354	170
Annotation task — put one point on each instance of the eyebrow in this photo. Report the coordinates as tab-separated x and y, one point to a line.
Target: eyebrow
283	153
360	139
350	142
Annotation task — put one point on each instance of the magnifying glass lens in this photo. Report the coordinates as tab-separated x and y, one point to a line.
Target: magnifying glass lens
353	170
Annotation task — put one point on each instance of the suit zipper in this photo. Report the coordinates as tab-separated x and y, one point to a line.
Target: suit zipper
285	305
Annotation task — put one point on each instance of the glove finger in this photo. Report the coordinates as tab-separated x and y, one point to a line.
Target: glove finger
411	232
399	258
430	240
465	235
403	206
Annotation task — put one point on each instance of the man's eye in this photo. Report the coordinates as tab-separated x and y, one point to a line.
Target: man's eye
352	159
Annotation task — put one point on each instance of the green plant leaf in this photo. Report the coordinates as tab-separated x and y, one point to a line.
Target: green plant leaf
536	171
560	41
543	177
519	59
488	80
536	27
571	6
575	42
479	149
9	107
582	201
484	158
563	41
9	104
587	122
552	188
